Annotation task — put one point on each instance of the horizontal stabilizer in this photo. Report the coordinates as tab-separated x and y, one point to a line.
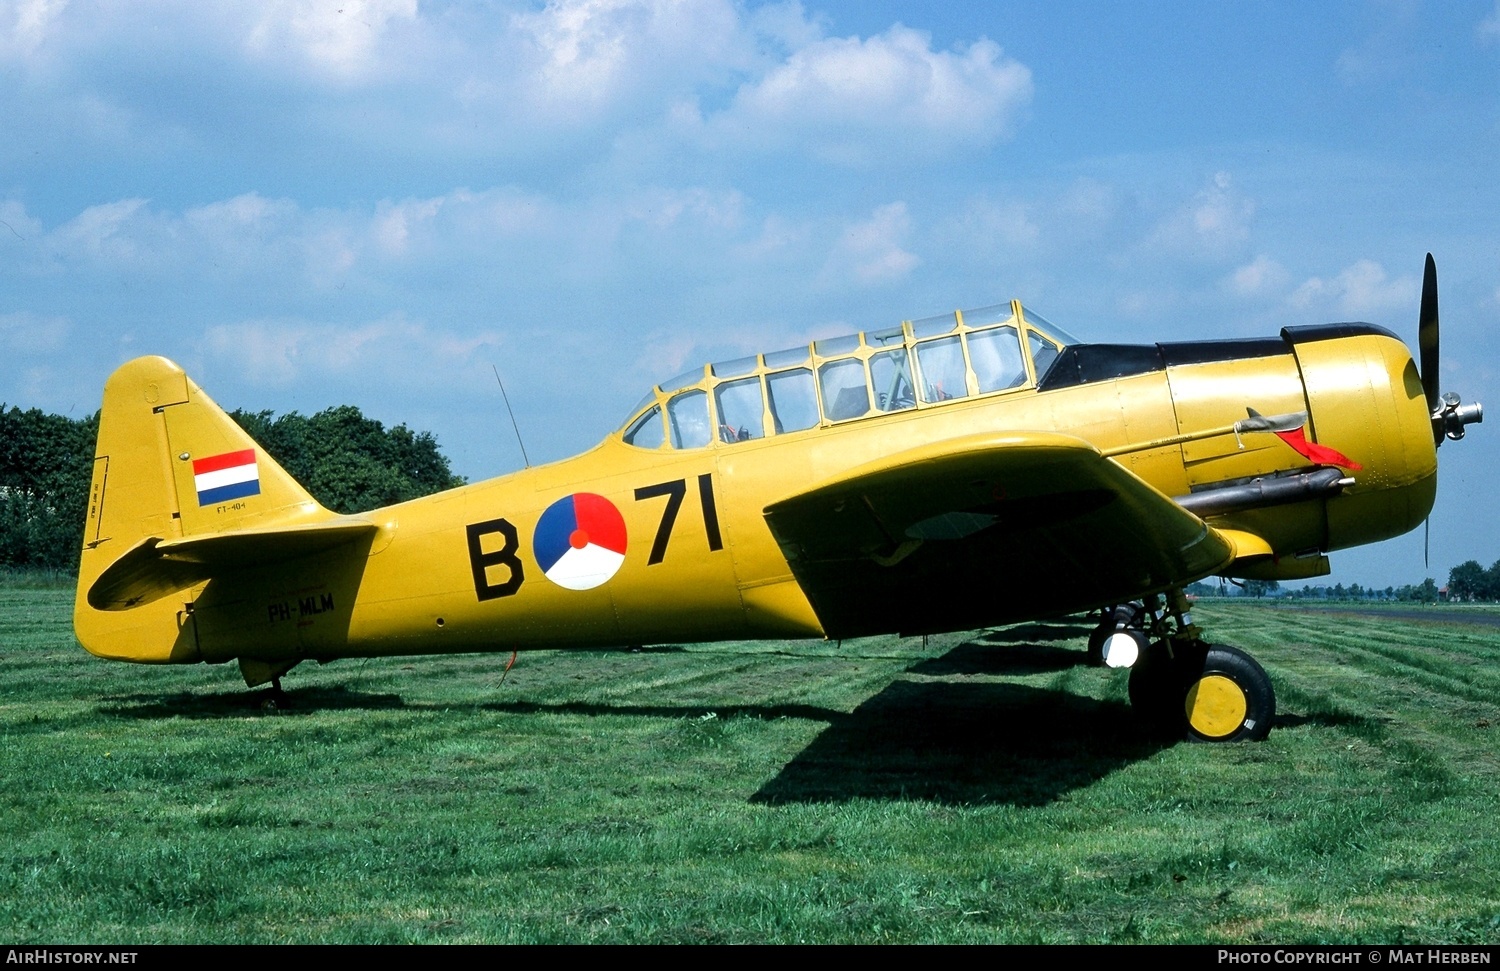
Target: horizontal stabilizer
155	567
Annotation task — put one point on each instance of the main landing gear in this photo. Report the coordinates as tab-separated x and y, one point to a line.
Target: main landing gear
1179	683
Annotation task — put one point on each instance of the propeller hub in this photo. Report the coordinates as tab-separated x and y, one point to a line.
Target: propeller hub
1451	416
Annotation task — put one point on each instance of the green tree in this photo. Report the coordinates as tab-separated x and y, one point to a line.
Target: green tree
1467	581
46	462
1261	588
348	462
1490	589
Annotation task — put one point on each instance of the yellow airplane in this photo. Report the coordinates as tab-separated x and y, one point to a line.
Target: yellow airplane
971	469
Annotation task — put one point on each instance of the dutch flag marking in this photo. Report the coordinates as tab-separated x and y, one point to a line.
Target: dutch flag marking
233	475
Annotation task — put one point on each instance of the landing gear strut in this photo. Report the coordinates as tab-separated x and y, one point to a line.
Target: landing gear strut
1189	688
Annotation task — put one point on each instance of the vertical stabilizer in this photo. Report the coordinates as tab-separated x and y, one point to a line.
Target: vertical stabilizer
169	465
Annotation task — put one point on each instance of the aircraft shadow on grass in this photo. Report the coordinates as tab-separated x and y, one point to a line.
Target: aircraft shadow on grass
594	709
949	741
964	743
235	704
990	655
944	741
1031	633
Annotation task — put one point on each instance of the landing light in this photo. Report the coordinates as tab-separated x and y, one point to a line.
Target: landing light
1121	649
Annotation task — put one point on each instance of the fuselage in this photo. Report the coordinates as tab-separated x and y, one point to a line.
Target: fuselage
467	570
659	533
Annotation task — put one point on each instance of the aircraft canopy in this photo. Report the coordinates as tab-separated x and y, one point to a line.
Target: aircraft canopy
916	364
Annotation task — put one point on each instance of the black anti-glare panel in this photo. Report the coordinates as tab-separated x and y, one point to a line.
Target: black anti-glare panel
1209	352
1307	333
1087	363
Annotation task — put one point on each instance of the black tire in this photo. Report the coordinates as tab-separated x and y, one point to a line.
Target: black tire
1228	697
1205	693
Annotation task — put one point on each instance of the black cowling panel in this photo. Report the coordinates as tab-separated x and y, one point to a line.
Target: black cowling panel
1208	352
1087	363
1307	333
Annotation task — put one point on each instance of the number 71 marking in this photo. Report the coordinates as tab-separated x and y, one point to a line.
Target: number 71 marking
674	491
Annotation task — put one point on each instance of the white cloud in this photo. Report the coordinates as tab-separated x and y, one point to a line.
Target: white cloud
239	233
1488	29
25	25
248	212
779	238
1214	224
1385	49
1260	276
395	222
662	208
113	232
1010	224
855	99
1360	291
276	250
393	352
587	55
338	39
16	225
871	252
786	24
377	86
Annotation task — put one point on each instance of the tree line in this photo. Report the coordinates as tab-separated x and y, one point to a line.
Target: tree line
348	462
1470	581
1425	592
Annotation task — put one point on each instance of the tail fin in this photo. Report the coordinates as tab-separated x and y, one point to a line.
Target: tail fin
172	474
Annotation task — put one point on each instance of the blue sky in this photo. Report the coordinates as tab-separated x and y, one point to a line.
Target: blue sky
373	201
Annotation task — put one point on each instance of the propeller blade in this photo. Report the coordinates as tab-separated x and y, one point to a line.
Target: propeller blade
1427	340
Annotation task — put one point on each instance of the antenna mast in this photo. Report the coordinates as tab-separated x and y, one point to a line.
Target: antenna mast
512	414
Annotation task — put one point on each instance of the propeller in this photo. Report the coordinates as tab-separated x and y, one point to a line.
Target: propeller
1427	342
1448	416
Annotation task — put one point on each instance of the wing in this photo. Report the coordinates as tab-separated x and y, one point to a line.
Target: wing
986	529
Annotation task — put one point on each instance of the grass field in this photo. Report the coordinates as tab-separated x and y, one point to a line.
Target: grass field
979	787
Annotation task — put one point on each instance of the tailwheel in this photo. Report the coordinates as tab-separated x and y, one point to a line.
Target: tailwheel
1229	698
275	699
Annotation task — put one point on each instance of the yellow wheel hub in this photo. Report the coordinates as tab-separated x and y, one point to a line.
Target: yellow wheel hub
1216	706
